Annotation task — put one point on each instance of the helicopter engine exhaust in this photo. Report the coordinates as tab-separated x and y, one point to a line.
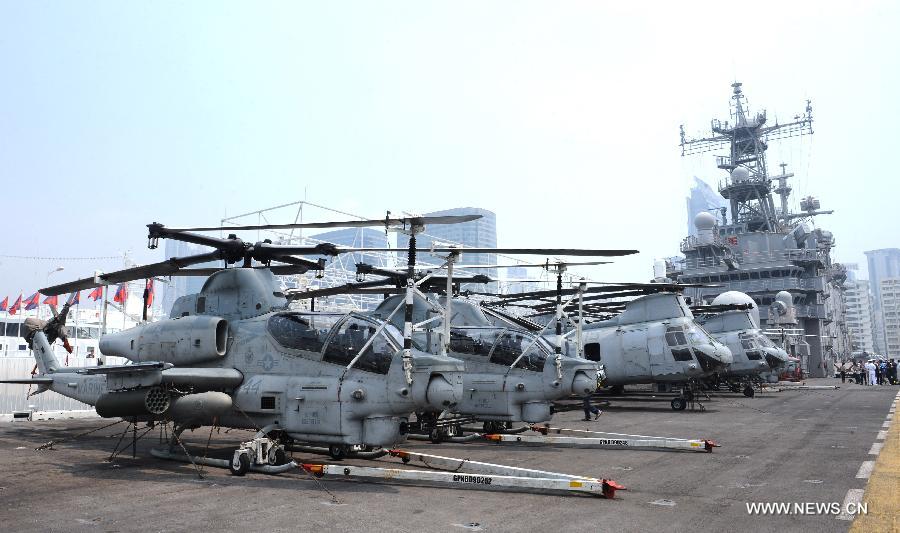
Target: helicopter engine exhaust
440	393
180	341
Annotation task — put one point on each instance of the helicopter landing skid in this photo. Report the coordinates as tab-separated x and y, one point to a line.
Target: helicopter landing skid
161	453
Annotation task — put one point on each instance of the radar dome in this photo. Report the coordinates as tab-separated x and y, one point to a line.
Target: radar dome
738	298
704	220
740	174
785	298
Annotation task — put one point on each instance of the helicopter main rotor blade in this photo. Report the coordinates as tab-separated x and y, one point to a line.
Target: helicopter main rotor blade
163	268
720	308
549	264
278	270
406	222
581	252
348	288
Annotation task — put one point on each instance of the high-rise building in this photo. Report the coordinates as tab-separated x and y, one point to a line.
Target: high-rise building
481	233
702	199
883	264
858	303
890	311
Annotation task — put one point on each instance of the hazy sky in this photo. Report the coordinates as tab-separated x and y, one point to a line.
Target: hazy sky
561	117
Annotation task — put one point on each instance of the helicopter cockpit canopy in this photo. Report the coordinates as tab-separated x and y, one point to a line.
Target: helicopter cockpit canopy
339	338
471	333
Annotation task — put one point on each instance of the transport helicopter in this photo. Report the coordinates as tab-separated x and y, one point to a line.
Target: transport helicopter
732	318
653	338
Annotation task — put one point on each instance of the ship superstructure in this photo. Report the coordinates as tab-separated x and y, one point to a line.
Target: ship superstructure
759	246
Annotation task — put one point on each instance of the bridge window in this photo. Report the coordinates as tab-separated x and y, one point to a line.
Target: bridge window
350	338
12	329
301	332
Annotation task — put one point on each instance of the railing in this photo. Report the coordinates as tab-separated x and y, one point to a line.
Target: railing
753	258
692	241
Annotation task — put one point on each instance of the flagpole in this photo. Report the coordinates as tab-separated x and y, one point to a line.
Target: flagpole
124	304
101	359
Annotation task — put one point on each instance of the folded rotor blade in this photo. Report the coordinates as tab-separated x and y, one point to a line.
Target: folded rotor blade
348	288
511	251
163	268
406	222
548	264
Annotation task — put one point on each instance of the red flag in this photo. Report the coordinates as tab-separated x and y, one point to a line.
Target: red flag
33	301
16	305
148	293
96	294
74	298
4	305
51	300
121	294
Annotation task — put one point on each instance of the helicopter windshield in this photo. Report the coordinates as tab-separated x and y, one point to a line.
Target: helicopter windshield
351	336
298	331
747	342
698	335
678	343
509	347
765	341
500	345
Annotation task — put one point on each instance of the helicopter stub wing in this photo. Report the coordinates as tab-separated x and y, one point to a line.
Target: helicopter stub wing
27	381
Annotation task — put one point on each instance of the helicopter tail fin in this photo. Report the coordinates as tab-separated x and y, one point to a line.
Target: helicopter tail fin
47	363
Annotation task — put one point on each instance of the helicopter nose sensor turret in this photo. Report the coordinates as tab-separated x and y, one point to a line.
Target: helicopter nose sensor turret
441	394
583	383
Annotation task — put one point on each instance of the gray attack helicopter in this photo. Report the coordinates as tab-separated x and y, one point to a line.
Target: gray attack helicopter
653	338
512	375
234	355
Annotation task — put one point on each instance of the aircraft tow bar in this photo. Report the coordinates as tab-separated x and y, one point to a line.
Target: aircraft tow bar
464	473
551	436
